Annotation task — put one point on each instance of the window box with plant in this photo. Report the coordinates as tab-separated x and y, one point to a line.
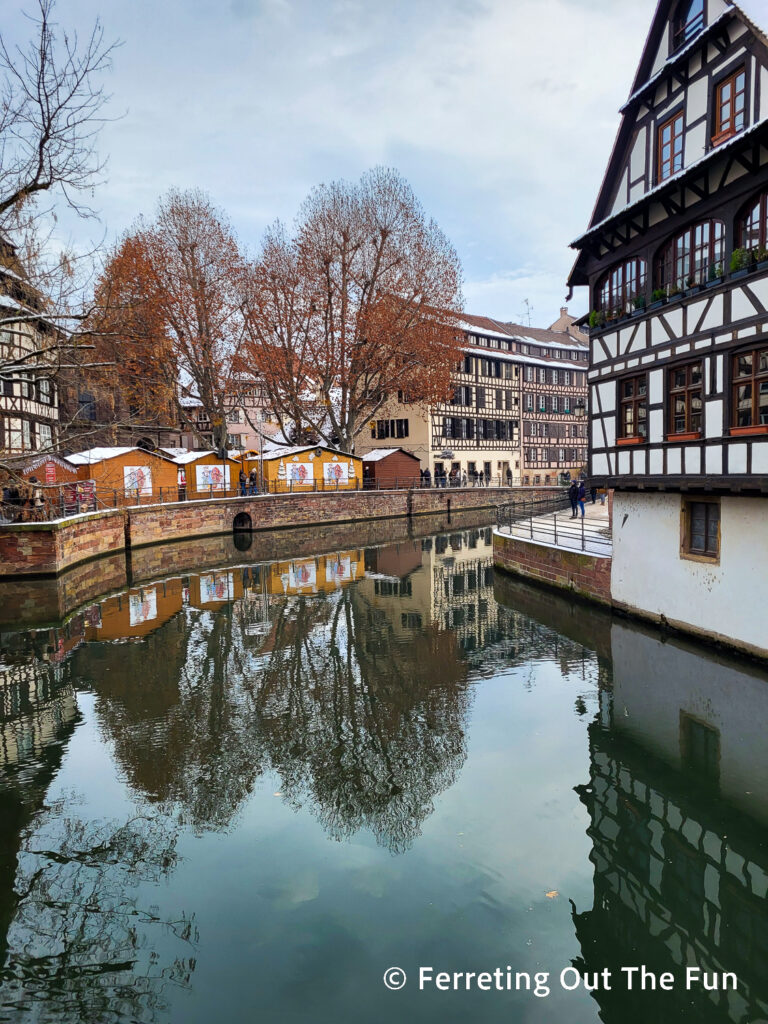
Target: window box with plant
692	285
741	262
638	305
714	275
658	297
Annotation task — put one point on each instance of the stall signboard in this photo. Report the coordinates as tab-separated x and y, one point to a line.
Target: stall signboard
142	607
301	473
336	473
137	479
212	478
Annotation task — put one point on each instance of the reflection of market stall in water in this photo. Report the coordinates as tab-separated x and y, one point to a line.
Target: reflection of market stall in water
135	613
212	590
319	575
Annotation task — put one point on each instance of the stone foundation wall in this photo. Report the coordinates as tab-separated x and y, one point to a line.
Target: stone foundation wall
586	575
48	548
51	548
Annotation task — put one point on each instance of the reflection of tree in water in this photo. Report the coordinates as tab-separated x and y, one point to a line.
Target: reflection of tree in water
365	729
180	716
81	943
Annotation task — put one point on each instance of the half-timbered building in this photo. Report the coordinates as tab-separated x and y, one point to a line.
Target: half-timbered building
29	408
676	261
513	415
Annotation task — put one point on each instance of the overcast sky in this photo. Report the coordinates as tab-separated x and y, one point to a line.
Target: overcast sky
500	113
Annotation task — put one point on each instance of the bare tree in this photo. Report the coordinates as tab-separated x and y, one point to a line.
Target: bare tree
50	115
360	303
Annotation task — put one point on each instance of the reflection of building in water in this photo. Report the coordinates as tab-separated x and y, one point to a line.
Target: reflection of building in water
678	806
445	581
321	574
135	613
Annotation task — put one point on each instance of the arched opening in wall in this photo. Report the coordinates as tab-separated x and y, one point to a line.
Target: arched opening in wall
242	523
147	444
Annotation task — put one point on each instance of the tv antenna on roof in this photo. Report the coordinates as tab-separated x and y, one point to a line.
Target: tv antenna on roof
526	316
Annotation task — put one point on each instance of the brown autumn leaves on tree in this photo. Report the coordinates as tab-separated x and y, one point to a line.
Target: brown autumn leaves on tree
359	303
169	305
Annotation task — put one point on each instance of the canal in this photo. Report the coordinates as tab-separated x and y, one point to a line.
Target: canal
244	792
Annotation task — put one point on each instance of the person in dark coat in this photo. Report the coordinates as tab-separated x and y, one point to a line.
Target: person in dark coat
573	497
427	477
253	482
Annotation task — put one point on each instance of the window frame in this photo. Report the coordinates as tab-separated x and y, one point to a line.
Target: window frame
661	162
756	207
688	391
711	508
621	285
754	378
720	133
683	31
693	256
633	402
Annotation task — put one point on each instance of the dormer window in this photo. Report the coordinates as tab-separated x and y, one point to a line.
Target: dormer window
730	104
689	21
670	147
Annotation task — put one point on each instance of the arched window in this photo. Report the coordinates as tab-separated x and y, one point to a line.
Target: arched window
692	257
689	19
620	286
752	227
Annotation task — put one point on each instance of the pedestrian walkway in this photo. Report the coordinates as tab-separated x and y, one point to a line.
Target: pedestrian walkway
591	534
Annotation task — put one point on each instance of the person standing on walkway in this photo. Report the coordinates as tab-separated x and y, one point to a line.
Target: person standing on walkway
243	481
573	496
582	494
253	482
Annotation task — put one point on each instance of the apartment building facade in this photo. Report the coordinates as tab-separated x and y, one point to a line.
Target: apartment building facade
513	415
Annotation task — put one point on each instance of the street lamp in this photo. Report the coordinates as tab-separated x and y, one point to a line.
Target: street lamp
580	409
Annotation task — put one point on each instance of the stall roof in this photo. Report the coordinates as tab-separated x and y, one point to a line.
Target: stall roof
187	457
281	453
377	454
92	455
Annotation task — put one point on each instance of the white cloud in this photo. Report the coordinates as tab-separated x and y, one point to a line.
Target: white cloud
501	113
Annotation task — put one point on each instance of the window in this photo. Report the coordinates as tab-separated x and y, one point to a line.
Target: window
499	400
670	147
685	400
692	257
751	229
633	404
529	373
621	285
26	435
701	528
45	435
730	103
480	398
86	406
44	392
555	404
542	376
688	21
529	402
750	389
467	364
508	400
567	377
401	428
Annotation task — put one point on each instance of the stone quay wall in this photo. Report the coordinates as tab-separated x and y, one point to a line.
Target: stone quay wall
585	575
45	549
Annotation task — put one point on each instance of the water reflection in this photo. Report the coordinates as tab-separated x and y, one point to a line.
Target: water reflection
349	679
678	805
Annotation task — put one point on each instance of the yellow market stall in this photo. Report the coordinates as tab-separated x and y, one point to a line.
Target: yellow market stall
311	468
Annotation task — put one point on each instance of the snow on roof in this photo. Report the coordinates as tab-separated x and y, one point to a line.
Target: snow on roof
674	58
516	357
279	452
377	454
186	457
92	455
717	151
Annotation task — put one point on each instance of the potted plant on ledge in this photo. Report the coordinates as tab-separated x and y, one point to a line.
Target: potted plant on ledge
658	297
741	262
715	275
638	304
760	254
692	285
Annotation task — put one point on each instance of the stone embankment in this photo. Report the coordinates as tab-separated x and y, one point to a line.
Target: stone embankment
47	549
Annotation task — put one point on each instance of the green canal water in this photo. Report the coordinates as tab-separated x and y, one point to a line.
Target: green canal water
244	793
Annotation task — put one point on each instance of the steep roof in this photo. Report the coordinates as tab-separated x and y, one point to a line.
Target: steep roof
282	453
532	335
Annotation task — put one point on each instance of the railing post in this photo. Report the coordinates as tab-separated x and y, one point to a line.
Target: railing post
582	533
555	519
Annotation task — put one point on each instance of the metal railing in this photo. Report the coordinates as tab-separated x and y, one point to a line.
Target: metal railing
551	522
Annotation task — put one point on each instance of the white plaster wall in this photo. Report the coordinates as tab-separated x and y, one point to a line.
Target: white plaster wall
728	599
654	681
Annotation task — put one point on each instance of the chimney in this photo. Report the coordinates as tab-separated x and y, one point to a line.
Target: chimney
563	311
